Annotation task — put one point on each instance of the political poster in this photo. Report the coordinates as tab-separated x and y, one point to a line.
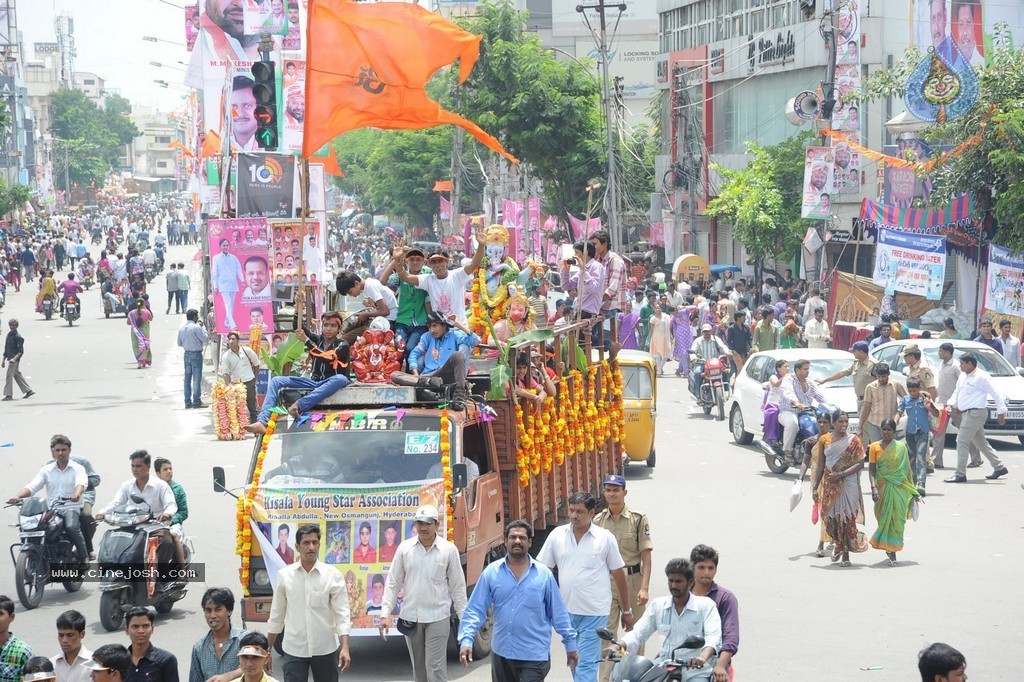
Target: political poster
818	183
293	92
846	115
296	23
848	44
1004	286
314	257
972	26
286	256
192	25
265	16
240	275
845	169
910	263
264	186
904	185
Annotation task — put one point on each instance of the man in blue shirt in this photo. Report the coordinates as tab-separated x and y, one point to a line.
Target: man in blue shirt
527	605
436	362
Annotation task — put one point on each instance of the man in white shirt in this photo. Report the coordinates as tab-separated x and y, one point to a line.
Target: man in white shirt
970	400
816	330
156	494
378	301
814	301
427	569
677	617
62	478
585	554
311	607
1011	344
312	257
67	665
445	289
226	278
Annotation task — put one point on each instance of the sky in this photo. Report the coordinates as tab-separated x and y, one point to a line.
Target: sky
108	37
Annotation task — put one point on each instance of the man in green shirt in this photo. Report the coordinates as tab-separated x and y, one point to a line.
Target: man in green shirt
646	313
411	320
165	473
766	335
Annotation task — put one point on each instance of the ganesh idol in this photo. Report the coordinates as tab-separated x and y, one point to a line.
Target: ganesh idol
497	274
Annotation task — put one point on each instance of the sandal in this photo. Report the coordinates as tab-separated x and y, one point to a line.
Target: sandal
819	553
892	558
846	564
836	555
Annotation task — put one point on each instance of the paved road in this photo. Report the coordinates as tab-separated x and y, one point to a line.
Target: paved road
801	618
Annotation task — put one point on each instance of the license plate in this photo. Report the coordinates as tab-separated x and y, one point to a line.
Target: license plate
33	534
1010	414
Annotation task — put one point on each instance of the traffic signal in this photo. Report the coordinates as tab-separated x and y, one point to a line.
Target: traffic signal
265	93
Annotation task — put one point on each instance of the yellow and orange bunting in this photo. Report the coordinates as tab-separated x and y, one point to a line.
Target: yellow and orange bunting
256	338
243	529
446	466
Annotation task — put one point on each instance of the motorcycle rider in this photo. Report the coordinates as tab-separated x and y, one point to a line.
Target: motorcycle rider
156	494
88	502
705	347
165	472
70	287
798	392
62	478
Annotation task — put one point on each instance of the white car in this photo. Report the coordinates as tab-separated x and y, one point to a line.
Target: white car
744	406
1006	379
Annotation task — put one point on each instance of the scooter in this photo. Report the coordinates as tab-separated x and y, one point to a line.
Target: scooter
636	668
48	307
130	574
150	273
87	282
44	546
72	309
807	427
715	386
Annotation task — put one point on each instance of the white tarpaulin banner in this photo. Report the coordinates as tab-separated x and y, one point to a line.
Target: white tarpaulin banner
911	263
1004	285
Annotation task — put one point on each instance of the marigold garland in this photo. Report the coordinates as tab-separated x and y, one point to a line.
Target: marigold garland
230	414
446	466
243	529
256	338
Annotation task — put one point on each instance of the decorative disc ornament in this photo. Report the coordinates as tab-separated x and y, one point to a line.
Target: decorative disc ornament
943	86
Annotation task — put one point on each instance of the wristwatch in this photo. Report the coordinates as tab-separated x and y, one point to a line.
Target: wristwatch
627	612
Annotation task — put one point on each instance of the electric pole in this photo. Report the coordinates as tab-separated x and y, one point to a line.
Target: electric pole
612	196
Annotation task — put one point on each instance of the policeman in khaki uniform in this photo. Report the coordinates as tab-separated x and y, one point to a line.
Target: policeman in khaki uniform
633	533
915	369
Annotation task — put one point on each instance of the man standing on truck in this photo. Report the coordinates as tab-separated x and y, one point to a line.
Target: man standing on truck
436	362
527	605
446	290
633	534
425	615
584	555
311	607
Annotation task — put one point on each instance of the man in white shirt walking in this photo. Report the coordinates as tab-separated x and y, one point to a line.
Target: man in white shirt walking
584	555
427	569
311	607
970	400
816	330
1011	344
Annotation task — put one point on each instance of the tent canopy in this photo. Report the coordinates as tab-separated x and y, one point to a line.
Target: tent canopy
690	265
719	268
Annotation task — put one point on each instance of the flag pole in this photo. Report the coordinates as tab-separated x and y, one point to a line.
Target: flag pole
580	285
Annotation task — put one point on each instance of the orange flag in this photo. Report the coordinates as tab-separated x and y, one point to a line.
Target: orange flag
330	162
211	145
443	186
368	66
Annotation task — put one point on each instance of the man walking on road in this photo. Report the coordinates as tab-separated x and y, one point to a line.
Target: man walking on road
311	607
14	348
193	337
949	372
527	605
585	555
880	400
172	290
427	569
183	286
633	534
970	400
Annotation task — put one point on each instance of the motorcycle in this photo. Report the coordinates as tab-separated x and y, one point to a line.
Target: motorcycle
44	546
715	386
87	282
636	668
807	427
72	310
150	273
132	545
48	307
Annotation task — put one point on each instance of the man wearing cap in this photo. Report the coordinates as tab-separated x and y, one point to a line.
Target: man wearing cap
428	570
254	657
411	321
68	664
915	369
705	347
881	398
112	661
446	290
311	607
436	361
862	370
632	531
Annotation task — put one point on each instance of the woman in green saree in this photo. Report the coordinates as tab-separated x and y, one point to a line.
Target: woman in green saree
892	489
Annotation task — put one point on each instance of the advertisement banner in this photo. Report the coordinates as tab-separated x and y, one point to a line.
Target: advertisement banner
293	92
265	16
265	186
192	25
846	168
361	527
970	24
858	300
533	211
240	275
818	180
846	115
910	263
1004	286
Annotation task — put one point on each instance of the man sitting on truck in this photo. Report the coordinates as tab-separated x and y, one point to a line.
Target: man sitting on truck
436	362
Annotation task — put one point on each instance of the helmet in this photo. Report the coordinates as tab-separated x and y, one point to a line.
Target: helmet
435	317
631	668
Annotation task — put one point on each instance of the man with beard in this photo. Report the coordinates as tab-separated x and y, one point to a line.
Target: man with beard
224	29
243	123
295	110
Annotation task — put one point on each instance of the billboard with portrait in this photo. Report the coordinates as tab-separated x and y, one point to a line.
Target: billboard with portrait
293	94
966	29
192	25
818	183
240	274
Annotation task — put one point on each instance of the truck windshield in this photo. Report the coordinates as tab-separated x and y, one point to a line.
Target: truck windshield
371	451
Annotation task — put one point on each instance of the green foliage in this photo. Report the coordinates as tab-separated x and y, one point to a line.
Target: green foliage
762	201
93	138
12	197
288	353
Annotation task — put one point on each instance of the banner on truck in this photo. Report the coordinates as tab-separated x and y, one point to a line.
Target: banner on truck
910	263
361	527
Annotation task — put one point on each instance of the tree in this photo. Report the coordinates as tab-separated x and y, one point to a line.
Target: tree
991	168
762	201
12	197
404	170
92	138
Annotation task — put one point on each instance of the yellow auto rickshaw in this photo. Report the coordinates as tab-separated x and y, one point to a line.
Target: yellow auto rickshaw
639	397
